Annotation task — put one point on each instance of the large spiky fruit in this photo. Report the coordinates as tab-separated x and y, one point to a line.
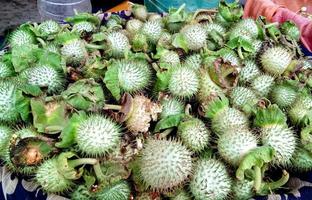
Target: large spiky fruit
142	112
242	97
275	133
53	48
171	106
170	58
118	44
243	190
44	76
50	179
97	135
300	112
195	36
84	26
193	61
283	95
209	27
301	160
250	26
275	60
5	70
235	144
184	82
210	181
262	85
139	42
74	51
249	72
116	191
5	135
231	57
20	37
165	40
152	30
164	164
81	193
134	26
49	27
133	76
139	12
257	45
223	118
194	134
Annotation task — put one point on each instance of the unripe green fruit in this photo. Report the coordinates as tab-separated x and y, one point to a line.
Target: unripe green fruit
170	58
283	95
152	30
242	96
182	195
139	12
139	42
117	191
52	48
97	135
20	37
193	61
209	27
231	57
275	60
257	45
118	44
301	160
210	181
154	17
165	40
240	32
81	193
134	26
164	164
5	135
235	144
262	85
249	72
50	179
184	82
195	36
250	26
171	106
49	27
5	70
44	77
74	51
300	111
243	190
194	134
84	26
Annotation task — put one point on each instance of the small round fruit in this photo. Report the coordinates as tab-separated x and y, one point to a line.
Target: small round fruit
49	27
275	60
283	95
118	44
116	191
134	26
193	62
84	26
171	106
5	70
20	37
243	190
262	85
195	36
249	72
242	96
152	30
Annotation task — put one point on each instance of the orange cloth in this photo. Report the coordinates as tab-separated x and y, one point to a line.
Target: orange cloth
126	5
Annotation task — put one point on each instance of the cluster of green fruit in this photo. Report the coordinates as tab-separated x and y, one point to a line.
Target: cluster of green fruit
201	105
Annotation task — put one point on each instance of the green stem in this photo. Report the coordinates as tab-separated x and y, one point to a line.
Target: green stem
53	98
187	109
240	53
266	187
165	133
98	172
180	9
112	107
270	25
41	41
155	67
82	161
258	178
94	46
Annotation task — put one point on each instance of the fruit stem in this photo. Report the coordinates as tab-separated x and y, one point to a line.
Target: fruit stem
94	46
41	41
112	107
277	184
98	172
155	67
270	25
187	109
82	161
240	53
258	178
165	133
180	9
53	98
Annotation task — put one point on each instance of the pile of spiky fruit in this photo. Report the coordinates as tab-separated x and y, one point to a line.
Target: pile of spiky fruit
202	105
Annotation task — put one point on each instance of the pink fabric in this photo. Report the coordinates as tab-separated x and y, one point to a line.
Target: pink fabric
304	24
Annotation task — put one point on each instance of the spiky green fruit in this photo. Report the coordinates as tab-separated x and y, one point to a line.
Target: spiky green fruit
171	106
210	181
194	134
235	144
262	85
301	160
139	42
249	72
81	193
134	25
250	26
195	36
74	51
5	70
193	61
5	135
275	60
209	27
184	82
165	40
52	48
84	26
243	190
97	135
257	45
164	164
300	111
283	95
20	37
118	44
116	191
170	58
133	76
152	30
139	12
223	118
49	27
154	17
231	56
50	179
242	97
240	32
181	195
44	76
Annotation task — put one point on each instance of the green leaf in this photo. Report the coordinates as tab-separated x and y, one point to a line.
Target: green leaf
112	82
46	57
179	41
68	134
22	105
79	17
247	46
177	15
64	167
24	56
162	81
98	37
169	122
